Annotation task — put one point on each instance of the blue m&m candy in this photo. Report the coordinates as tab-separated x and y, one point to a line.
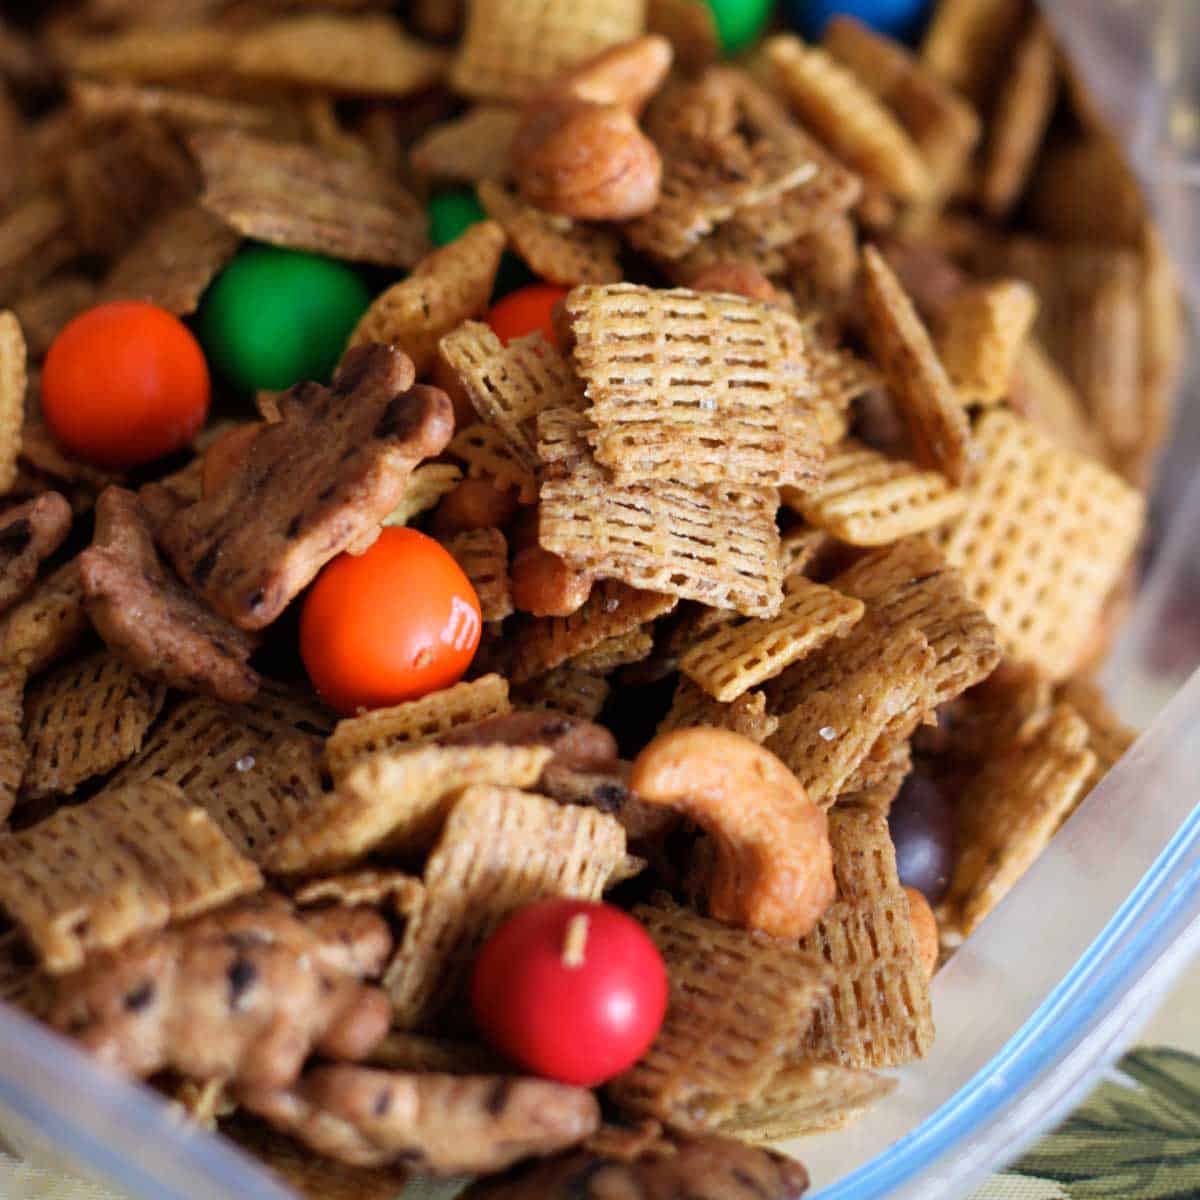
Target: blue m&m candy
902	19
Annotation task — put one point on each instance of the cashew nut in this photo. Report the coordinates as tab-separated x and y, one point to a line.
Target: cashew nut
628	74
733	275
773	866
925	930
473	504
546	585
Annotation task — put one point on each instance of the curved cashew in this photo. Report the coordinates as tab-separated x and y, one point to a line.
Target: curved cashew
547	586
628	74
773	868
925	930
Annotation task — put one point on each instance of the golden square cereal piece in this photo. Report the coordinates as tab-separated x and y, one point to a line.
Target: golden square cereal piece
968	44
1011	810
426	486
877	1014
36	239
512	48
806	1097
181	110
690	27
12	397
509	385
42	312
612	609
500	849
735	658
14	753
718	545
868	499
150	54
618	651
486	454
726	144
1108	736
47	623
554	247
469	148
1044	539
294	196
483	556
372	888
450	286
911	584
256	768
396	800
943	126
714	1050
127	862
1019	119
415	721
848	118
919	385
404	1051
567	689
982	331
1043	395
747	715
84	718
832	726
368	55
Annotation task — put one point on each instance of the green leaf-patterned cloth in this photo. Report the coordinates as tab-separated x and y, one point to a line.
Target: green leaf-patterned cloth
1137	1137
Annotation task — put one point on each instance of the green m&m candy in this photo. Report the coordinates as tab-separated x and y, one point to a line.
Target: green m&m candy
451	213
740	22
275	317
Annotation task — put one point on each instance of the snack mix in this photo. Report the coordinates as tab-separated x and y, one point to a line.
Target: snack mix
533	474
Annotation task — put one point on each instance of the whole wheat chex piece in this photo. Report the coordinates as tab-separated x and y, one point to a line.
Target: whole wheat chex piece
1108	736
880	776
426	486
1044	539
968	44
486	454
45	310
868	499
718	545
147	856
47	623
874	681
555	248
511	49
612	609
681	381
877	1013
483	556
415	721
508	385
173	261
36	239
735	658
84	718
12	397
980	336
618	651
315	483
848	118
397	800
294	196
29	533
567	689
1019	118
350	889
942	125
747	715
1012	809
714	1050
453	284
806	1097
500	849
256	768
469	148
14	753
369	55
916	379
726	145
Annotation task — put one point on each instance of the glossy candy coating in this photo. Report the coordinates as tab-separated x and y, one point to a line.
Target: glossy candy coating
452	213
740	22
922	825
523	311
901	19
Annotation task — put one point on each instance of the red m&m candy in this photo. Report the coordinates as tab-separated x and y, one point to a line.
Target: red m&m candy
572	990
123	384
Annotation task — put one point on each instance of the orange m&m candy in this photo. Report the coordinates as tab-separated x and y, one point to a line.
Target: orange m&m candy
526	310
123	384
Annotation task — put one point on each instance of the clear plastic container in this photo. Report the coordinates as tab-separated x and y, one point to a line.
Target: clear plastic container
1052	986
